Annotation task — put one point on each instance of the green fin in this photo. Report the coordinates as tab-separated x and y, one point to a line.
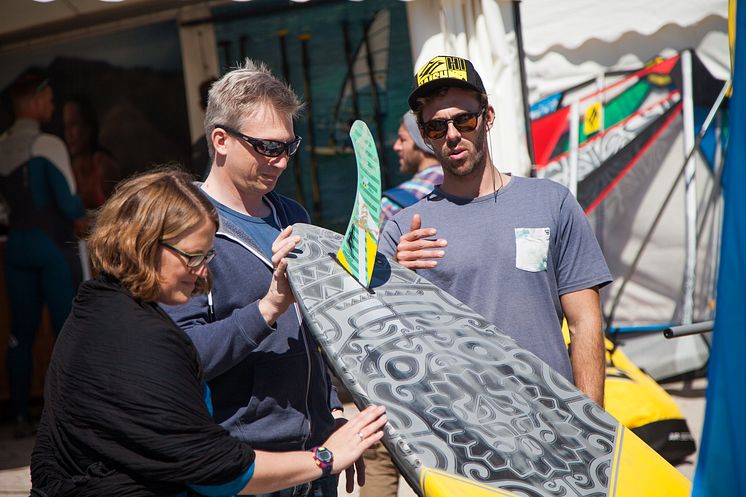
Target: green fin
358	251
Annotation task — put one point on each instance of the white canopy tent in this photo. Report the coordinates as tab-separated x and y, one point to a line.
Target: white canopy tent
573	41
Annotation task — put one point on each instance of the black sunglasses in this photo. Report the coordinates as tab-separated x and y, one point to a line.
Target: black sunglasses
437	128
192	260
268	148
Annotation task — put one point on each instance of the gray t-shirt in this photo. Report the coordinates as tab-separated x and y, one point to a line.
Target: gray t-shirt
511	256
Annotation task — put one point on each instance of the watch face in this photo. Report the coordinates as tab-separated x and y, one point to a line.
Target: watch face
324	455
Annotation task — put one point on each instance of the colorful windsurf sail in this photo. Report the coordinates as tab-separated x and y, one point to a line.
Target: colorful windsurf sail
358	251
626	168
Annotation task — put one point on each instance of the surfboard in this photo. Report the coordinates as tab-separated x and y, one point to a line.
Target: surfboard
470	412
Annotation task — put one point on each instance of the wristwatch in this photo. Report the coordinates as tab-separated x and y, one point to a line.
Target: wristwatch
324	459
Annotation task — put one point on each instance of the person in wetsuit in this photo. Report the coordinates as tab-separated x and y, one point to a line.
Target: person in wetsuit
42	265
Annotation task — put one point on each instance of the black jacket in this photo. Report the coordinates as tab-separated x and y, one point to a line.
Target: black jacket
124	409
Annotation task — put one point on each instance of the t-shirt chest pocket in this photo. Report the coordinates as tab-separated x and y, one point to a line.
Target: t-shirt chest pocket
531	249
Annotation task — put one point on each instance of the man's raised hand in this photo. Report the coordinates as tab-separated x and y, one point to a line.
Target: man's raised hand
417	248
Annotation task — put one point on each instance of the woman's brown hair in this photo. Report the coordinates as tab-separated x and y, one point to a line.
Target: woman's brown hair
143	211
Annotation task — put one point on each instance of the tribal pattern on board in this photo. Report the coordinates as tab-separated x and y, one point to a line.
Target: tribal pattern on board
461	396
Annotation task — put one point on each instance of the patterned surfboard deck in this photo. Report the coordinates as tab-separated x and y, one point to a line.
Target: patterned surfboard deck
470	412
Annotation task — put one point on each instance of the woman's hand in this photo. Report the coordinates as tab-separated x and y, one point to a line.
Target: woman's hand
278	470
350	441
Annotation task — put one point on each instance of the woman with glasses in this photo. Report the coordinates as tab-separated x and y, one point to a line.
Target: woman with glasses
127	411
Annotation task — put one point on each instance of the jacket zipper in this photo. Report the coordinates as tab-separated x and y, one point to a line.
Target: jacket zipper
261	257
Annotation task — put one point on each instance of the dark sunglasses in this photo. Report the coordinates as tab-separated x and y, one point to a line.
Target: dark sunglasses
268	148
437	128
192	260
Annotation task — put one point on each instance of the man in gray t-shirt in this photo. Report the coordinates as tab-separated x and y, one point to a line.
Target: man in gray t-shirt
518	251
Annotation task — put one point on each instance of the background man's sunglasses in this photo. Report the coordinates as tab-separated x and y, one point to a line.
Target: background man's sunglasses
437	128
268	148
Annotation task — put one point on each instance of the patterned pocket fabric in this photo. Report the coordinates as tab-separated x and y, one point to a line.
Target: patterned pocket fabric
531	248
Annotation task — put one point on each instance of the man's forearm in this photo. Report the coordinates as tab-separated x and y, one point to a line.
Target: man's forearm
582	311
588	362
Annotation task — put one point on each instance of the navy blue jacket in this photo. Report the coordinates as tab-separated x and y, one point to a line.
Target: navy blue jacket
270	386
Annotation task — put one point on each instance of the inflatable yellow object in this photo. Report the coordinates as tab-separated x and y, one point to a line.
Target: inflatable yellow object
643	406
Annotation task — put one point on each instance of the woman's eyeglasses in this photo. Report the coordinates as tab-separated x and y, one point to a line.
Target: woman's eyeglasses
268	148
192	260
437	128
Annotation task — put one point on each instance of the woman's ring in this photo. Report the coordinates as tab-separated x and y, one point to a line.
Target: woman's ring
360	436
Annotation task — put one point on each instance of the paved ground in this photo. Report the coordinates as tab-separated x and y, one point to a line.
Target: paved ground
15	454
14	460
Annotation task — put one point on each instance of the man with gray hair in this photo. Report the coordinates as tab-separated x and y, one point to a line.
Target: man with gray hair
415	157
269	384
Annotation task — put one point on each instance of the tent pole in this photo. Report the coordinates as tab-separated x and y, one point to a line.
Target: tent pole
688	329
572	170
517	26
350	60
690	188
378	116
